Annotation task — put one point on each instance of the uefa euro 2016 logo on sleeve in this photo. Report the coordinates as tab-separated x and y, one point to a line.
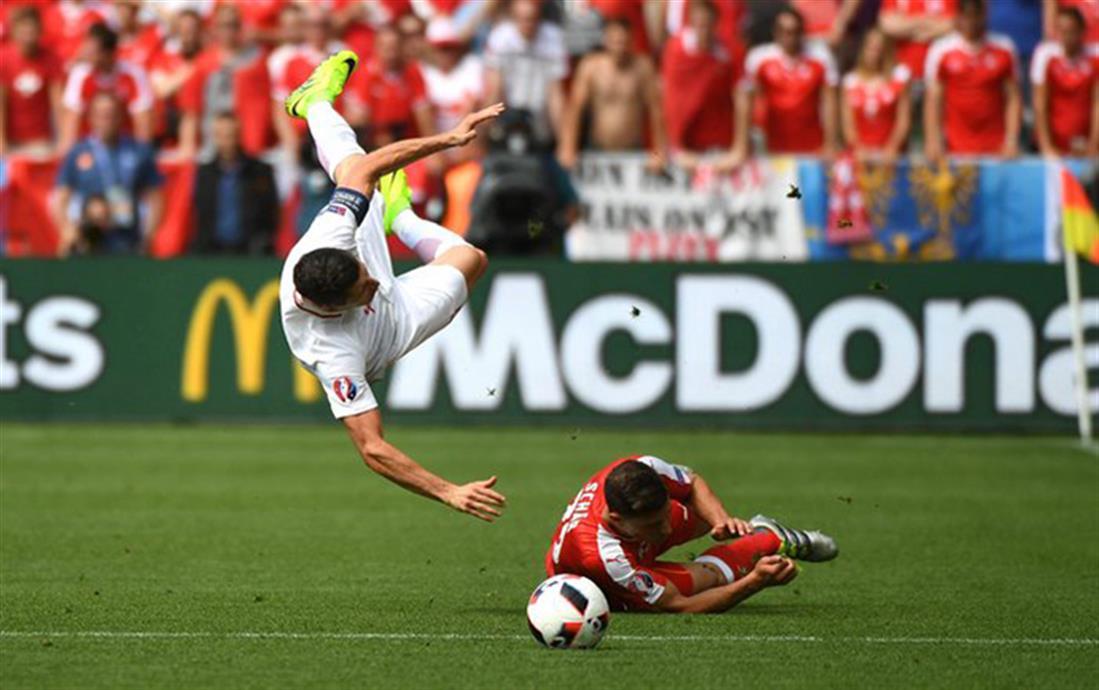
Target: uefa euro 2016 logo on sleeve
345	389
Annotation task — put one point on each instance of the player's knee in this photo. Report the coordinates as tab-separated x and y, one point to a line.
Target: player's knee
481	260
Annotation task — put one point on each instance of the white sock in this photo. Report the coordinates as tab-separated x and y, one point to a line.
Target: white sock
334	138
429	240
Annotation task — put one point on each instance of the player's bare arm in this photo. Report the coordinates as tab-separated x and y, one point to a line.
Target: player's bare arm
709	507
475	498
362	172
769	571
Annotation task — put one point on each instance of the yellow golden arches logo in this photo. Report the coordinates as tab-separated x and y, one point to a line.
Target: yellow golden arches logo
250	322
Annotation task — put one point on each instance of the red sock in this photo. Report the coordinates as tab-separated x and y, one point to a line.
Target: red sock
737	558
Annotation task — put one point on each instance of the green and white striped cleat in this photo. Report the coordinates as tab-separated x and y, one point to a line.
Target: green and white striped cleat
397	195
324	84
802	545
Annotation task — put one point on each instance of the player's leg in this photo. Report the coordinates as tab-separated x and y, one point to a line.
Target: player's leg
720	564
432	243
337	147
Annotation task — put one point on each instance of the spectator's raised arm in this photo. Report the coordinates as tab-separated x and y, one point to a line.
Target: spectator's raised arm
569	140
658	146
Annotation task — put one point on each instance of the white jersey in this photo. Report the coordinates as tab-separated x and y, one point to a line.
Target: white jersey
347	350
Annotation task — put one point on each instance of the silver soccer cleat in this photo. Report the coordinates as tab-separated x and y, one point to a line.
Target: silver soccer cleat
802	545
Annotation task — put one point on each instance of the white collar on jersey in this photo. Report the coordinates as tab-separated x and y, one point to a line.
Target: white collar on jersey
315	309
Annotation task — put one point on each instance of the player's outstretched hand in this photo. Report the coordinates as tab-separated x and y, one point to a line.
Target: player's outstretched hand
477	499
773	571
466	131
729	528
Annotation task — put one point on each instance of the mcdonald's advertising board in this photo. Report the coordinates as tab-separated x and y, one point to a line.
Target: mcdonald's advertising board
946	346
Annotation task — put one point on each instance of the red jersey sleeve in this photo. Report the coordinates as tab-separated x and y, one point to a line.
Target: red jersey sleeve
190	94
676	478
627	582
416	86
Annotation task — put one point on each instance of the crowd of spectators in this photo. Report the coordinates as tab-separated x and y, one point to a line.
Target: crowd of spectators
110	86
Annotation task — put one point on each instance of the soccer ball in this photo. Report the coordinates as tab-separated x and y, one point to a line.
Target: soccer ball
568	612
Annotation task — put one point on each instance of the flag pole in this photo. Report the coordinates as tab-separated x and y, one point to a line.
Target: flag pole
1083	403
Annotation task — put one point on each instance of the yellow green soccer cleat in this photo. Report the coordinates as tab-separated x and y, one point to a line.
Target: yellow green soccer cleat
324	84
397	196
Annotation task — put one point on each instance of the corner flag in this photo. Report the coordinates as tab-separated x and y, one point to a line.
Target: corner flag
1080	233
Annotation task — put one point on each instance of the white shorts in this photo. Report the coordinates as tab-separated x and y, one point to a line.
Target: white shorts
433	294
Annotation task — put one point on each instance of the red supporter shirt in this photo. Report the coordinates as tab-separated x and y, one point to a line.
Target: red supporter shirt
699	109
259	14
142	47
583	545
251	92
874	105
730	16
973	79
65	25
1070	84
389	98
166	65
27	83
819	15
913	54
791	88
126	81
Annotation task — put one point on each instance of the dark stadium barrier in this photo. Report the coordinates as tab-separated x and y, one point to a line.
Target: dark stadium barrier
946	346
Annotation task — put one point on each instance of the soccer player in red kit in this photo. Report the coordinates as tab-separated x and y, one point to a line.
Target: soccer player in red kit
1066	91
638	507
973	101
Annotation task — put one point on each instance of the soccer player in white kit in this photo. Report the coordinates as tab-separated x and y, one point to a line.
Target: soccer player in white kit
345	315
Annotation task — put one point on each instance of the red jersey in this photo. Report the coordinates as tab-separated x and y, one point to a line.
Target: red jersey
819	15
584	545
249	93
389	98
142	47
699	110
791	88
913	54
874	105
973	79
1070	84
730	17
126	81
65	24
165	67
27	82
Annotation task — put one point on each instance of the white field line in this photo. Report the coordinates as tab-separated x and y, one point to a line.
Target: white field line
396	636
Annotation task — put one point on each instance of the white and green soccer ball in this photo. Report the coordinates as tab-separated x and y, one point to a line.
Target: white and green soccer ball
568	612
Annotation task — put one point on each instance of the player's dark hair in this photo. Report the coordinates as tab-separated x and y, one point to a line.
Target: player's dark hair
106	39
324	276
1074	14
975	5
788	10
633	489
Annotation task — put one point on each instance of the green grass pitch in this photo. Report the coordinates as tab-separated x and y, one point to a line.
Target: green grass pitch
965	562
